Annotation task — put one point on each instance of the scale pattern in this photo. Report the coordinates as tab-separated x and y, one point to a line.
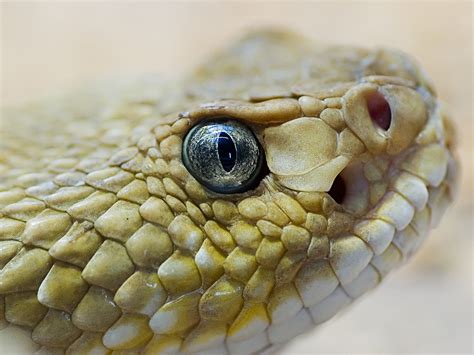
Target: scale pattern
107	243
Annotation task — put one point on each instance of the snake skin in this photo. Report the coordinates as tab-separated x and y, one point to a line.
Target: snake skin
108	244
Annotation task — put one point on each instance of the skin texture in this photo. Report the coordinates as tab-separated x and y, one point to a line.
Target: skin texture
108	243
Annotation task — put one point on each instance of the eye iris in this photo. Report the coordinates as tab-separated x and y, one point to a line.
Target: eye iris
227	151
224	155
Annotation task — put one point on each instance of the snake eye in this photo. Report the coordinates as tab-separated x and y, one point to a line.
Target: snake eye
224	155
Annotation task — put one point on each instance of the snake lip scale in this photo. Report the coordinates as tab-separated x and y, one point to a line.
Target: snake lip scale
312	172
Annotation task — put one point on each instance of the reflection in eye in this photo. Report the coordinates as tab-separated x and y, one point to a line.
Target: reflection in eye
224	155
379	110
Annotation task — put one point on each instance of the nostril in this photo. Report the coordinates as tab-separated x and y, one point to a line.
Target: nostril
338	189
379	110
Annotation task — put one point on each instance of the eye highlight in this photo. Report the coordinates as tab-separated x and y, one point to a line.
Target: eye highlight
224	155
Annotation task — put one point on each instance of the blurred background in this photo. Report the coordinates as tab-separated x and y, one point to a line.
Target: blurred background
426	307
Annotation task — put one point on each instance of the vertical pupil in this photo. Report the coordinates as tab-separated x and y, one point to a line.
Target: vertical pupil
227	151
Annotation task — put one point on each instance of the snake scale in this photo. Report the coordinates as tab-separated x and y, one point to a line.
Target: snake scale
110	244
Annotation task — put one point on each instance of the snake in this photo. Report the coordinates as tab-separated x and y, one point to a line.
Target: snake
226	211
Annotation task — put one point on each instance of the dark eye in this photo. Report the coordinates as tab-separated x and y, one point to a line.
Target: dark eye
224	155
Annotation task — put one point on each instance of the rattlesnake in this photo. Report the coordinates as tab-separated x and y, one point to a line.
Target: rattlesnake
225	212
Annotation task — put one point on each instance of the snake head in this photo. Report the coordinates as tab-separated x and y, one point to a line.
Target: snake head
287	181
357	173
